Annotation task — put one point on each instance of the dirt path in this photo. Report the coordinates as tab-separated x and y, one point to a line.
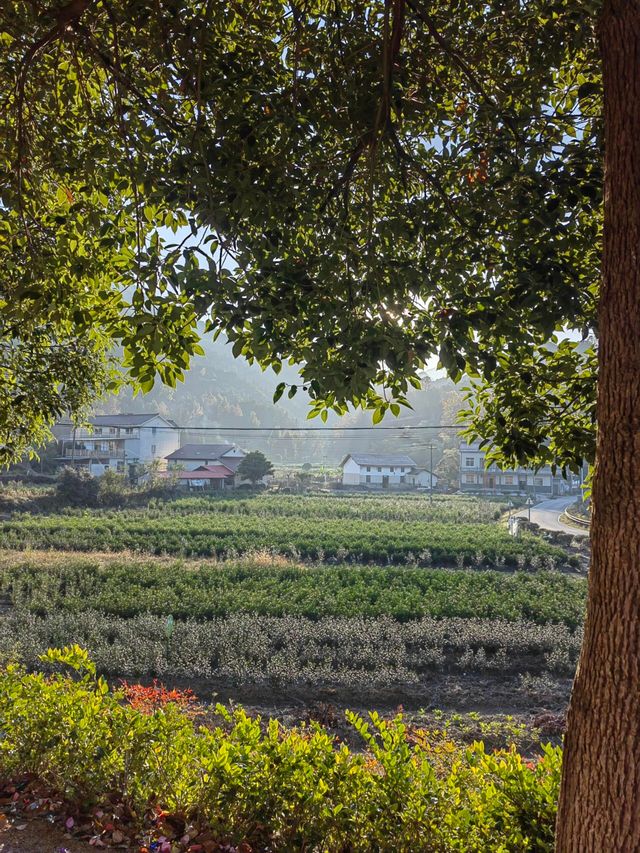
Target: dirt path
38	836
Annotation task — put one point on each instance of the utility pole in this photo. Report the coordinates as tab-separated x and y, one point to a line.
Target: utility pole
431	473
73	448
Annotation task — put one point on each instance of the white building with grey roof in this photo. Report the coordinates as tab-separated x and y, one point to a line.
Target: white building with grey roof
192	456
117	442
388	471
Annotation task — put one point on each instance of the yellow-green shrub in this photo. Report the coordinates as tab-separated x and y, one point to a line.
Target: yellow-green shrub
277	789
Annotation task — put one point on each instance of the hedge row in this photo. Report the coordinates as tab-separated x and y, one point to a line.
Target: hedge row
130	587
354	540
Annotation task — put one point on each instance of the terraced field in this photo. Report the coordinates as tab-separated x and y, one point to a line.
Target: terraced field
342	593
333	529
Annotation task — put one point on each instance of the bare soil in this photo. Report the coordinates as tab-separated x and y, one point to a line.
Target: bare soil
485	694
540	705
35	835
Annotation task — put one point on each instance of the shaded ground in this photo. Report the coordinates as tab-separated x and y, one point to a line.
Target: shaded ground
486	707
37	836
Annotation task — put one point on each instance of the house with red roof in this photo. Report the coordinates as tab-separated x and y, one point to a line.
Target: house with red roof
205	466
204	477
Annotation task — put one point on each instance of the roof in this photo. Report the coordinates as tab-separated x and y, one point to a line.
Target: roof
373	459
64	428
418	470
233	462
201	451
124	419
204	472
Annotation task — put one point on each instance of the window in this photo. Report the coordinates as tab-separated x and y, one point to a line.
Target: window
153	450
368	467
368	478
379	470
402	470
120	467
538	481
508	480
402	479
391	470
154	430
97	431
129	430
469	462
470	478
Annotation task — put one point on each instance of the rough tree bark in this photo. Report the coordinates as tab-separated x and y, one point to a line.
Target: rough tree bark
600	795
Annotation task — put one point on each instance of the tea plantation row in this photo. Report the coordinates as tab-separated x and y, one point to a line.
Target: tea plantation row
458	508
243	648
134	586
351	540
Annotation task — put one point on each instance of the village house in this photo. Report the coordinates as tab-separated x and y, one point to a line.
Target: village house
205	466
477	478
385	472
192	456
204	477
117	442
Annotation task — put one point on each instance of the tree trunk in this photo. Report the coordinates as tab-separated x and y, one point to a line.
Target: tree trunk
600	794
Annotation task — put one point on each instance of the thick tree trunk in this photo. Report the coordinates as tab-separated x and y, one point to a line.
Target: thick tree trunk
600	796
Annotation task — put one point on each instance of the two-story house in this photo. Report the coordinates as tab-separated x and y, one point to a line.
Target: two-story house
118	442
384	472
192	456
476	477
205	466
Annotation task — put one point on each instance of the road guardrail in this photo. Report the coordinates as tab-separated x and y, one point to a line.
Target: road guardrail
582	522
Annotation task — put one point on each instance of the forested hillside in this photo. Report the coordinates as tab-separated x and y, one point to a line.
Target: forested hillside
221	391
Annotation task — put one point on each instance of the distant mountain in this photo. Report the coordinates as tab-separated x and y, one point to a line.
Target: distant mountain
221	391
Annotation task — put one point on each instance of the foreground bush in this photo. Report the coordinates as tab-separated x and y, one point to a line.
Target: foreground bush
273	789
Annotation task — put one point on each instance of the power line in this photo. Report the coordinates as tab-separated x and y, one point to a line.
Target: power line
406	428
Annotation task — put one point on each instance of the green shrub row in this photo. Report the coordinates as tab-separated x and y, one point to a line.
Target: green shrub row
130	587
289	650
367	507
274	789
352	540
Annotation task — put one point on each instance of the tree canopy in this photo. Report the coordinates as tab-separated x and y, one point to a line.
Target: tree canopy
254	466
362	186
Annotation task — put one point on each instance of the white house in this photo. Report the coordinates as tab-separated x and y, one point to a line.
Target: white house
422	478
117	442
476	477
384	472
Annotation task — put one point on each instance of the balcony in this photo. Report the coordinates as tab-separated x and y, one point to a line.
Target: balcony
81	453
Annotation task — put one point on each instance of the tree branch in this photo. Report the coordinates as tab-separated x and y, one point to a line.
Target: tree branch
462	64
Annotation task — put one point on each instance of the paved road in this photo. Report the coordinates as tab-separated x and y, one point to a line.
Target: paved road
547	515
